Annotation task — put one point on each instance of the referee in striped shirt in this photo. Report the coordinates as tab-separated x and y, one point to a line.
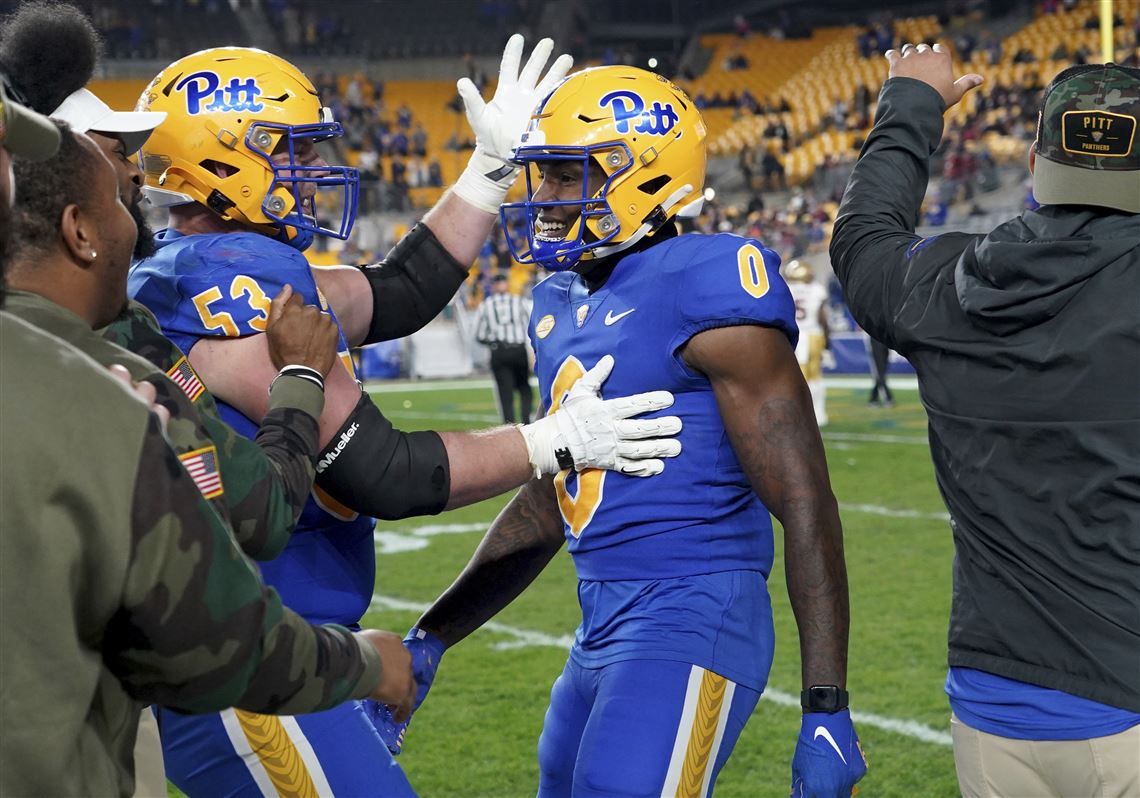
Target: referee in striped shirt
501	324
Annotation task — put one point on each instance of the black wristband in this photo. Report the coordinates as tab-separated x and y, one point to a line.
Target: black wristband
564	458
304	372
824	698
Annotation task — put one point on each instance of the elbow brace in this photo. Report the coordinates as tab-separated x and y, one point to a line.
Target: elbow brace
379	471
411	285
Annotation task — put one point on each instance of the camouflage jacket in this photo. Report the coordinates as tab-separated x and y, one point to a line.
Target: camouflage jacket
119	585
266	480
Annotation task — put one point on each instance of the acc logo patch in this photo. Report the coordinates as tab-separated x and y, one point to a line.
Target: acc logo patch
237	95
628	108
1100	133
544	326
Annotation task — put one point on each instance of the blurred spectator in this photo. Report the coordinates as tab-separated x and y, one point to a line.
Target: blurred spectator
419	140
773	171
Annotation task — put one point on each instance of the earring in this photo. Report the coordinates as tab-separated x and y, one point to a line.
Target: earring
94	254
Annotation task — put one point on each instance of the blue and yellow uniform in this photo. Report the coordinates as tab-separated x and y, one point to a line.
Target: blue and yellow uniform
676	638
221	285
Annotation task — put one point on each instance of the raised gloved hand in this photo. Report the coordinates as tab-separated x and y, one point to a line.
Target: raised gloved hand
590	432
499	124
828	758
426	650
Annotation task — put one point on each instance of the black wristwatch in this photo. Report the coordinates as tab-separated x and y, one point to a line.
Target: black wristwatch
823	698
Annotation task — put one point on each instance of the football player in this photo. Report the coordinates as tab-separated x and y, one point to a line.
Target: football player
811	315
676	638
237	164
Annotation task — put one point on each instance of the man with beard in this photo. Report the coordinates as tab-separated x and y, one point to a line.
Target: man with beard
140	593
265	483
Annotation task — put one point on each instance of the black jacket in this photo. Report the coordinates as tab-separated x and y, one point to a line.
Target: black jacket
1027	346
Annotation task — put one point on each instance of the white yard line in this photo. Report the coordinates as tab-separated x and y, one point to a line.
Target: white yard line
901	382
527	638
395	539
865	437
890	512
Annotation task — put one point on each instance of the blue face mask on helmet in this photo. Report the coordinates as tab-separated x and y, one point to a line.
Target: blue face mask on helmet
299	225
596	225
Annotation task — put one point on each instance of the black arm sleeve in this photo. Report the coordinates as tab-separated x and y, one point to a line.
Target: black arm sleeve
377	470
412	285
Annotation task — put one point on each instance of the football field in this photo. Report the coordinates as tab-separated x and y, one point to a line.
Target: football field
475	736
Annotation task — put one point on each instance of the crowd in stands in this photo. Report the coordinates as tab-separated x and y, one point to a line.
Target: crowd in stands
389	146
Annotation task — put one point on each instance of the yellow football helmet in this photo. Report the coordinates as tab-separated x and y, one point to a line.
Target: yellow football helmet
229	110
796	271
645	134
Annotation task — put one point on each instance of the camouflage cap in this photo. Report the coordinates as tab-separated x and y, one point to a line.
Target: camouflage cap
1088	152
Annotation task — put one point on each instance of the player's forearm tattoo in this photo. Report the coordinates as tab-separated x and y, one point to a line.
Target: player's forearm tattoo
786	463
519	544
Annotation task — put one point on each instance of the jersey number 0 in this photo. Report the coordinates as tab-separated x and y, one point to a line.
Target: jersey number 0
578	509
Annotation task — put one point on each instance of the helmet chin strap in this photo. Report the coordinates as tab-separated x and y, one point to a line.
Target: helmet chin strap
649	226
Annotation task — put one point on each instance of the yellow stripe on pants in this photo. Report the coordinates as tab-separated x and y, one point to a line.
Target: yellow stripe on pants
710	702
278	755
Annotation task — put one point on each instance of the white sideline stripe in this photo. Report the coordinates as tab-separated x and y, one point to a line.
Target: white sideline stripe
524	638
899	382
389	535
890	512
486	418
478	418
865	437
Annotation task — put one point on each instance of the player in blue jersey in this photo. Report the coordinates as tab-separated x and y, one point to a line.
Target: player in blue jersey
236	163
676	638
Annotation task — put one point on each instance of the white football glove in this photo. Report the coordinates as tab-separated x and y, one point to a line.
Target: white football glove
499	124
597	433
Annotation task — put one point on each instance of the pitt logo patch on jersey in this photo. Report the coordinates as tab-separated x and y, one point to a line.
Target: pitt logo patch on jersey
203	467
628	106
544	326
182	373
237	95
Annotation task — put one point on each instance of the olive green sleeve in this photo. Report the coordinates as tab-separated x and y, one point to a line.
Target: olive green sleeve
267	480
198	630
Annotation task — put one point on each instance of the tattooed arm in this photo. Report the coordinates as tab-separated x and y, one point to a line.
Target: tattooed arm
767	411
519	544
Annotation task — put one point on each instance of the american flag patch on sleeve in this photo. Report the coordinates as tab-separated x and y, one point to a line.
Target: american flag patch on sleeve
183	375
203	467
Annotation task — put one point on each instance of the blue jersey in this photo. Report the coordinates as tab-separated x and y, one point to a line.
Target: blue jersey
699	521
221	285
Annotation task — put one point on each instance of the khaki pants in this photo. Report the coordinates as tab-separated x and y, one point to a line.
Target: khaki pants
150	777
997	767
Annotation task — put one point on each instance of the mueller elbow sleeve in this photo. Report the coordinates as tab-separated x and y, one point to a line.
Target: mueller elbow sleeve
379	471
411	285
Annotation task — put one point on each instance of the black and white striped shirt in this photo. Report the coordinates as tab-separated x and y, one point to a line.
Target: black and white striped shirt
502	319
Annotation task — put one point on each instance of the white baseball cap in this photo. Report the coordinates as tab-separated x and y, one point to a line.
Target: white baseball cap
84	111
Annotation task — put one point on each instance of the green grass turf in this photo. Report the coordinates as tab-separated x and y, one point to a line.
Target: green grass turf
475	737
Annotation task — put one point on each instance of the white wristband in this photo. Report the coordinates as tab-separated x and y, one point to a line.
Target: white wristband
485	181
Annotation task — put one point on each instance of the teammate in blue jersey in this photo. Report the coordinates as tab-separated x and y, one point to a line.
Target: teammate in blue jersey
236	163
676	638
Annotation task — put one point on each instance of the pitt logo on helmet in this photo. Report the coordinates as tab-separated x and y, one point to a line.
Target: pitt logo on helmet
237	95
628	105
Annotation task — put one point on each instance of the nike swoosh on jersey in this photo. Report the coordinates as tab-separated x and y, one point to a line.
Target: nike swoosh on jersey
820	731
612	319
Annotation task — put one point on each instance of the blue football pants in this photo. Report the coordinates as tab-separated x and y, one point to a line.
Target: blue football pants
236	754
639	728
